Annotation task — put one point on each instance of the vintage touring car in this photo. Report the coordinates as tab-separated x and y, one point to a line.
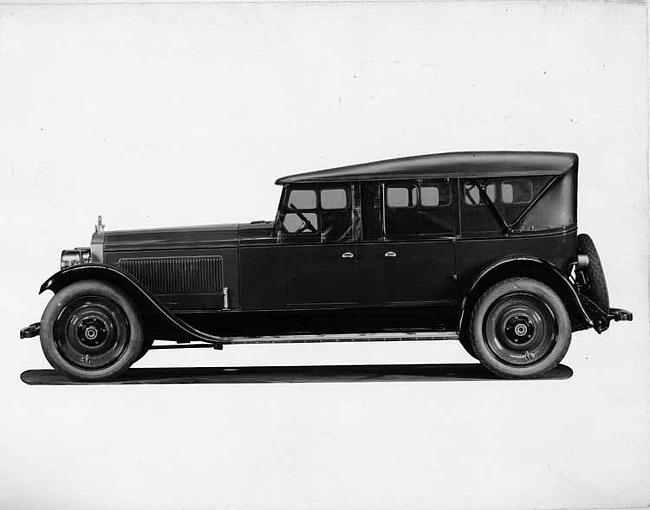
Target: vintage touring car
481	245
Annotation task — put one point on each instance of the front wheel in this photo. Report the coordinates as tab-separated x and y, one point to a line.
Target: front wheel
146	345
520	329
90	331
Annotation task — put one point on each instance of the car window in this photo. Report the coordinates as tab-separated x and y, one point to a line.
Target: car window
335	198
435	195
476	218
318	215
512	198
419	209
298	223
302	199
430	196
401	196
473	193
518	191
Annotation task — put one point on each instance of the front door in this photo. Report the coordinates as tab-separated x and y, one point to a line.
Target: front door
317	245
408	251
320	275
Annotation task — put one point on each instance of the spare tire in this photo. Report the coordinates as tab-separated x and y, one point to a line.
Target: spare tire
596	288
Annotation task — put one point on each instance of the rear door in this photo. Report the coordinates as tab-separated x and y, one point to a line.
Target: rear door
407	254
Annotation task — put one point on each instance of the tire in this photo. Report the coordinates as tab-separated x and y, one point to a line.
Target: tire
146	345
466	342
520	329
90	331
596	288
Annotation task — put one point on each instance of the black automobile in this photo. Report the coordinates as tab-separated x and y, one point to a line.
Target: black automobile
481	246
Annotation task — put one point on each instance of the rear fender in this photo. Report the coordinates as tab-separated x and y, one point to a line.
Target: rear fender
143	299
526	267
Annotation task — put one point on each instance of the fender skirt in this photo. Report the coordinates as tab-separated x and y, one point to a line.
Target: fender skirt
125	281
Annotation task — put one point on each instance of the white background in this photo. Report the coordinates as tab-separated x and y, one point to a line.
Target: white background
157	115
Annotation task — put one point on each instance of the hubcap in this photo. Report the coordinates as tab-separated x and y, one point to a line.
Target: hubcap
91	332
520	329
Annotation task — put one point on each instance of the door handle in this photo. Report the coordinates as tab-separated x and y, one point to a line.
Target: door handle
347	255
390	254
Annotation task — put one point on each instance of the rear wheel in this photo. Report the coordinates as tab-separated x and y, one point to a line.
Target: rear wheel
90	331
520	328
466	341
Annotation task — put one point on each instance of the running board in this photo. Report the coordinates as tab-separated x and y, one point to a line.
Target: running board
339	337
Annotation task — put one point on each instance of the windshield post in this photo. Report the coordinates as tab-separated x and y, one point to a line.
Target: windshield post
278	214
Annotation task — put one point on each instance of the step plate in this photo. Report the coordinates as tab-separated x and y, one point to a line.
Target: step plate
344	337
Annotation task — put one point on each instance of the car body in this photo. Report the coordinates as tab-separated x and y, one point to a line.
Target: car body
434	243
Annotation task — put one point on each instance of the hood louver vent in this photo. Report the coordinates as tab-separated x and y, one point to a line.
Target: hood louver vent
177	275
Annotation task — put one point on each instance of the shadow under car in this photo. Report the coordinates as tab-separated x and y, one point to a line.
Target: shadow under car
292	374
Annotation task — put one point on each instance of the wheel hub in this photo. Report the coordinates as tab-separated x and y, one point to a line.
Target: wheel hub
519	329
91	331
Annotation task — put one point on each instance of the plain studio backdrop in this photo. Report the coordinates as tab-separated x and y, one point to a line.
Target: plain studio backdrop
168	114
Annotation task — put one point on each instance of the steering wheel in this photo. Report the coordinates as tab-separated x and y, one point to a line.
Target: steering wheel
306	223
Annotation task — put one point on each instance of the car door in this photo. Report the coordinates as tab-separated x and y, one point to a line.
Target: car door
317	246
408	251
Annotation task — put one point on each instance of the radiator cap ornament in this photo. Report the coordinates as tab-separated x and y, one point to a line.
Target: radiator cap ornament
99	228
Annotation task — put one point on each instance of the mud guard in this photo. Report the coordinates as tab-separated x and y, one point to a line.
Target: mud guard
551	275
133	288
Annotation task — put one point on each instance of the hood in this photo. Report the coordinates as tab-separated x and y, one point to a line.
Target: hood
256	232
206	236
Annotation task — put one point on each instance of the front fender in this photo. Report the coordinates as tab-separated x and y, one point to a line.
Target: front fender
530	267
130	286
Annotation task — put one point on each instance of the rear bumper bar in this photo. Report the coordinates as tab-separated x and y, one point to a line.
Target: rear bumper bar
601	318
31	331
618	314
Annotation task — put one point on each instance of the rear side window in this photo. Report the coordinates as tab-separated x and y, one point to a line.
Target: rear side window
518	191
435	194
419	209
507	191
477	217
511	196
401	196
473	195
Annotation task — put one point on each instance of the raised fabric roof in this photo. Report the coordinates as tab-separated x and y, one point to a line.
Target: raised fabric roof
450	164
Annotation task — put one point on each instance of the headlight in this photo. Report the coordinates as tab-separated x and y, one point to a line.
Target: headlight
74	257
